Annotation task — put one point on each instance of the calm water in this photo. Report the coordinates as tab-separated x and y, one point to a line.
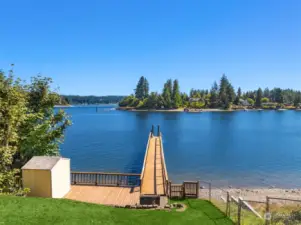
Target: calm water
235	148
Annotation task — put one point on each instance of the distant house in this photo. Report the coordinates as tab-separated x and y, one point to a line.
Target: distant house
244	102
195	99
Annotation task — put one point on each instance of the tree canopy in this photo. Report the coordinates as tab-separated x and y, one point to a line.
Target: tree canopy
221	95
29	126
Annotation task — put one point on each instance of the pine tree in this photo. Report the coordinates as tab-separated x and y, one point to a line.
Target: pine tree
266	93
297	99
214	96
176	96
145	88
238	96
230	93
223	96
140	89
167	92
259	96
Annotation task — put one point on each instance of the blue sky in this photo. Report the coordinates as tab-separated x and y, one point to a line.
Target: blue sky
102	47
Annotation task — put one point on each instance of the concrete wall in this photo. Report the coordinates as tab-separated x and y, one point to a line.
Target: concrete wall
39	182
60	177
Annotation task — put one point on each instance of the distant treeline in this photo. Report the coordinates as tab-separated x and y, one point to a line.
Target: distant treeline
88	100
222	95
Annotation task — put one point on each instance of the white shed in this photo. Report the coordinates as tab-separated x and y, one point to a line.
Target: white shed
47	176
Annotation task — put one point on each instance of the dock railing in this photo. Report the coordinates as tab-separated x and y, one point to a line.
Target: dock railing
145	156
105	179
165	175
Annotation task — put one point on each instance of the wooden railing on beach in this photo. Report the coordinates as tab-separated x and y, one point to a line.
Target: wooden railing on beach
105	179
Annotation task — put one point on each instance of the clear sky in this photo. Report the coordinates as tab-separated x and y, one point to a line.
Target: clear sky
102	47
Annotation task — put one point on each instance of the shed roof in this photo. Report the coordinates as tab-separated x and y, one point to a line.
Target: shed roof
41	163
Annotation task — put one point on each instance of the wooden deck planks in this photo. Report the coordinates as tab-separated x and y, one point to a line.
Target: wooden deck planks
148	182
147	187
104	195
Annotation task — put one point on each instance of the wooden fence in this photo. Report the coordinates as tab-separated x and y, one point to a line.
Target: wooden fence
105	179
189	189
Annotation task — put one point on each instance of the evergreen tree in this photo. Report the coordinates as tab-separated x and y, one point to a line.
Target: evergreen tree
176	96
214	96
140	89
230	93
297	99
238	96
266	93
259	96
169	85
278	95
167	92
223	91
152	101
145	88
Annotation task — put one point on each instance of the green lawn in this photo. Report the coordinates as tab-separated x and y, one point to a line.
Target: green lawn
22	211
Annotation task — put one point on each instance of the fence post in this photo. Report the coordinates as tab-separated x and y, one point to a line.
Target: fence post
152	131
228	205
183	188
210	192
95	179
267	210
197	189
239	212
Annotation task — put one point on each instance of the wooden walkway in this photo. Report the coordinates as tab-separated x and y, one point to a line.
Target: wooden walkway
149	187
105	195
153	174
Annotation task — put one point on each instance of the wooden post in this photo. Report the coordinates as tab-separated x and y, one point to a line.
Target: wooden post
228	205
267	210
210	192
183	188
197	189
152	131
95	179
158	130
239	212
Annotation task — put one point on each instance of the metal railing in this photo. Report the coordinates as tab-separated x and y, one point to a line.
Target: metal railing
105	179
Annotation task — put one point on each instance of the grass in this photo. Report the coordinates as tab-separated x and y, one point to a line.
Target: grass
23	211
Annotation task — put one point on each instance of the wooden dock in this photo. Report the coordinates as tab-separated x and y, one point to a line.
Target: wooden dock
149	187
105	195
152	179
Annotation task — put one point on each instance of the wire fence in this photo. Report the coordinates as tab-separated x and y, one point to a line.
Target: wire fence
271	211
283	211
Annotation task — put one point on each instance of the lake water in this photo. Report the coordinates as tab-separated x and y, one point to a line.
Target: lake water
240	149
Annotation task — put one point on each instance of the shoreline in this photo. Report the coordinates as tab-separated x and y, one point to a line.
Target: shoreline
200	110
255	194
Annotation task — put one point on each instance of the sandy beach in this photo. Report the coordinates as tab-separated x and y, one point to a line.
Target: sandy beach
255	194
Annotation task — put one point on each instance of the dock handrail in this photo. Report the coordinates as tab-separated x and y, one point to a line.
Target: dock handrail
145	156
165	175
155	169
105	179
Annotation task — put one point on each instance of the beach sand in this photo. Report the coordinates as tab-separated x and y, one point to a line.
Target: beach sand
255	194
